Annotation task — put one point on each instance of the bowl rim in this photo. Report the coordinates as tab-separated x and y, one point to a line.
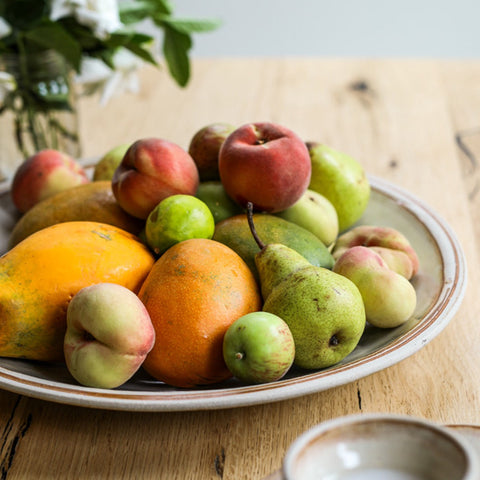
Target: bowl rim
309	437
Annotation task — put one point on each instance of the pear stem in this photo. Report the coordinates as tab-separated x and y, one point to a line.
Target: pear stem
260	244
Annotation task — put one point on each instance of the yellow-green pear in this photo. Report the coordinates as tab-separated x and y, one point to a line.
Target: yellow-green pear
341	179
315	213
107	165
323	310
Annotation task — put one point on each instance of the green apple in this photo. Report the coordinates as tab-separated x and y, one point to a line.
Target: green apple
107	165
342	180
217	200
258	348
177	218
315	213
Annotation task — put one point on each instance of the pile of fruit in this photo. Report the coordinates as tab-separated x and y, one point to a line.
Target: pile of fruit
239	257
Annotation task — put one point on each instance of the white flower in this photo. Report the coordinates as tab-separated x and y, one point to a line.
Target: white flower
101	16
7	84
5	28
96	76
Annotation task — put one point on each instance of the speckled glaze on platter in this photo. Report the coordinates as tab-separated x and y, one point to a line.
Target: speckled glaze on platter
440	286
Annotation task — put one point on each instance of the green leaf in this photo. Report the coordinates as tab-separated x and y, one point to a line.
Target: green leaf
134	42
83	35
136	11
24	14
176	46
107	57
190	25
161	6
119	39
141	52
53	35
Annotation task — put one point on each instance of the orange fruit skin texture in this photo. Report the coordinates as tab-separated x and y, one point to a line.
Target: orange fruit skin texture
193	293
40	275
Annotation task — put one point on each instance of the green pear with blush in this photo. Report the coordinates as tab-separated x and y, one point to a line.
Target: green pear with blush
389	298
342	180
315	213
313	301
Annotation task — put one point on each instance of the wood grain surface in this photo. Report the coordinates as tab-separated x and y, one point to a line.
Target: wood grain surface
415	123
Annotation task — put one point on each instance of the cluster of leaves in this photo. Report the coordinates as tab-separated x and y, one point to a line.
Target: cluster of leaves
33	31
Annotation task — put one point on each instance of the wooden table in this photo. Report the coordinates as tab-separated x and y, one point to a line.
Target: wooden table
413	122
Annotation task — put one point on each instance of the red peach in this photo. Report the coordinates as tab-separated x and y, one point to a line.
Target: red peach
151	170
266	164
205	146
44	174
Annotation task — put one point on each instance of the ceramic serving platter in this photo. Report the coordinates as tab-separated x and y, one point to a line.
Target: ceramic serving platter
440	286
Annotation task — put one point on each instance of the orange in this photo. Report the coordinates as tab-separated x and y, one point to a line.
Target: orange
193	293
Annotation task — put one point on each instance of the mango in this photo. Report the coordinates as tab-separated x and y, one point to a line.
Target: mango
40	276
92	201
235	233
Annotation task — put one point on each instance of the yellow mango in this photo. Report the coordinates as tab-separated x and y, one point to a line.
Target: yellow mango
40	275
93	202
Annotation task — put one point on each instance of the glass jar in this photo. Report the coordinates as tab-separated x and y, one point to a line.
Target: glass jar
40	111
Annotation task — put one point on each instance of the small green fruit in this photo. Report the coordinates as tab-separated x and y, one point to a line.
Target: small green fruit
217	200
177	218
258	348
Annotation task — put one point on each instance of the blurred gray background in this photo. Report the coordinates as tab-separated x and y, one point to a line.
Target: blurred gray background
373	28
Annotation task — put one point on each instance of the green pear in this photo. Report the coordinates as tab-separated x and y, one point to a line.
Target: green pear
341	179
315	213
220	204
106	166
324	310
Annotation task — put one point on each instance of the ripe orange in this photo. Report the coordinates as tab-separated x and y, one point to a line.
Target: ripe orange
193	293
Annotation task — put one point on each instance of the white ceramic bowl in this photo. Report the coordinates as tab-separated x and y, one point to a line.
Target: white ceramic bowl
380	447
